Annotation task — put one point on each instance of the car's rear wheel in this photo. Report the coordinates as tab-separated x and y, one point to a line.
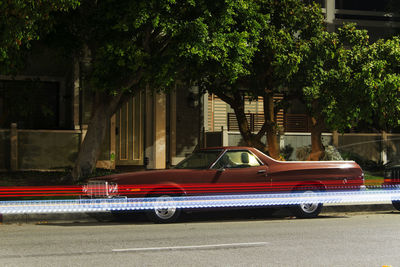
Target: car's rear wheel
164	215
396	204
307	210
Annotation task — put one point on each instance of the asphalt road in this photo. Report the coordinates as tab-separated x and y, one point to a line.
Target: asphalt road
213	239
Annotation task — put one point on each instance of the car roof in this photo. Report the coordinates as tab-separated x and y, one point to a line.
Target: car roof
227	147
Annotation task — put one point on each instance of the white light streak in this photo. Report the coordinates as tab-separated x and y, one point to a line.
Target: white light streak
184	202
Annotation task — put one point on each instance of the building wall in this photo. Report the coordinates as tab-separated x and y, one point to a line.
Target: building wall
188	120
4	149
47	65
54	150
374	16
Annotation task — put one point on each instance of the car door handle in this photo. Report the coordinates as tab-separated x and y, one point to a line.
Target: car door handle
262	171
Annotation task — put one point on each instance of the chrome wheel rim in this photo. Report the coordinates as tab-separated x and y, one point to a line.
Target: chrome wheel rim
164	213
309	207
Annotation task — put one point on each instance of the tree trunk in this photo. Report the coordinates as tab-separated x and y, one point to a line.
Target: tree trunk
317	148
104	106
250	138
271	126
236	101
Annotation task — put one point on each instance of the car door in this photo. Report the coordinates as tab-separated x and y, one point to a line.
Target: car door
239	171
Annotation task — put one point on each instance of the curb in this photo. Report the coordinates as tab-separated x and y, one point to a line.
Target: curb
358	208
44	218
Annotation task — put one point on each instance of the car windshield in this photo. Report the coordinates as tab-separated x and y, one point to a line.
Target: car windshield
199	160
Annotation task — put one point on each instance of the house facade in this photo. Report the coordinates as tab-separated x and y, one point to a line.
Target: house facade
45	111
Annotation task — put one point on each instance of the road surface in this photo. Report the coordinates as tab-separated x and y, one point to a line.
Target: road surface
369	239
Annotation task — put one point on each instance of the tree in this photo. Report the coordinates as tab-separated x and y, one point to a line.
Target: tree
323	82
266	61
377	76
23	22
226	51
131	45
346	80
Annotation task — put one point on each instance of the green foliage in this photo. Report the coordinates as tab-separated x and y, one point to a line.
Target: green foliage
256	54
224	46
377	76
157	42
23	21
326	76
256	48
224	42
345	79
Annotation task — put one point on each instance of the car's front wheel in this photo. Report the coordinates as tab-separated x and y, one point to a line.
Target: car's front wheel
307	210
161	214
396	204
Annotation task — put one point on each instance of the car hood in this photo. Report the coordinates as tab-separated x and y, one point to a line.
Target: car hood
146	177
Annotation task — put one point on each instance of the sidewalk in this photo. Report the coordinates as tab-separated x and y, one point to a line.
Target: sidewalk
45	218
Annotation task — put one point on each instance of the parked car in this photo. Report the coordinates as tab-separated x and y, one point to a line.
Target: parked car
230	170
392	180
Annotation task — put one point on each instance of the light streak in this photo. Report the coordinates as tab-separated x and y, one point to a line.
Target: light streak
197	202
189	188
38	191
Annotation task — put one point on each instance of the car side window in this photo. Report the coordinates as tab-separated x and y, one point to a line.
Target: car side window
237	159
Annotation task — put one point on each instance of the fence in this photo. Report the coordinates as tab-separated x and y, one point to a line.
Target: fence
38	149
378	147
5	152
23	150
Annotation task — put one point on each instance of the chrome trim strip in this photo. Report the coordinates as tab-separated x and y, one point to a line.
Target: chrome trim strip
220	156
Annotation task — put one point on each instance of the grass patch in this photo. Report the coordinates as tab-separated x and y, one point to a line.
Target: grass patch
373	179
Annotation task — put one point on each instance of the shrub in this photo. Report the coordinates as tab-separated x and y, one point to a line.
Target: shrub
302	153
286	152
365	164
330	153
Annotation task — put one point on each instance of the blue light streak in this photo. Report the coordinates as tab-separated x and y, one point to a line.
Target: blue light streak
184	202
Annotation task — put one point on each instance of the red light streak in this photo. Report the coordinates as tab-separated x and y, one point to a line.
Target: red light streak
136	190
40	191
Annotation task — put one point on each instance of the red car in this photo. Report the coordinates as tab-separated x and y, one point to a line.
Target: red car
230	170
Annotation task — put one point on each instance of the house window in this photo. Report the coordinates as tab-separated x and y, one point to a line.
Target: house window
297	123
365	5
30	104
255	121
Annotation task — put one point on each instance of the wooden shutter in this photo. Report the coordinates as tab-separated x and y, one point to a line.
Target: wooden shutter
217	113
